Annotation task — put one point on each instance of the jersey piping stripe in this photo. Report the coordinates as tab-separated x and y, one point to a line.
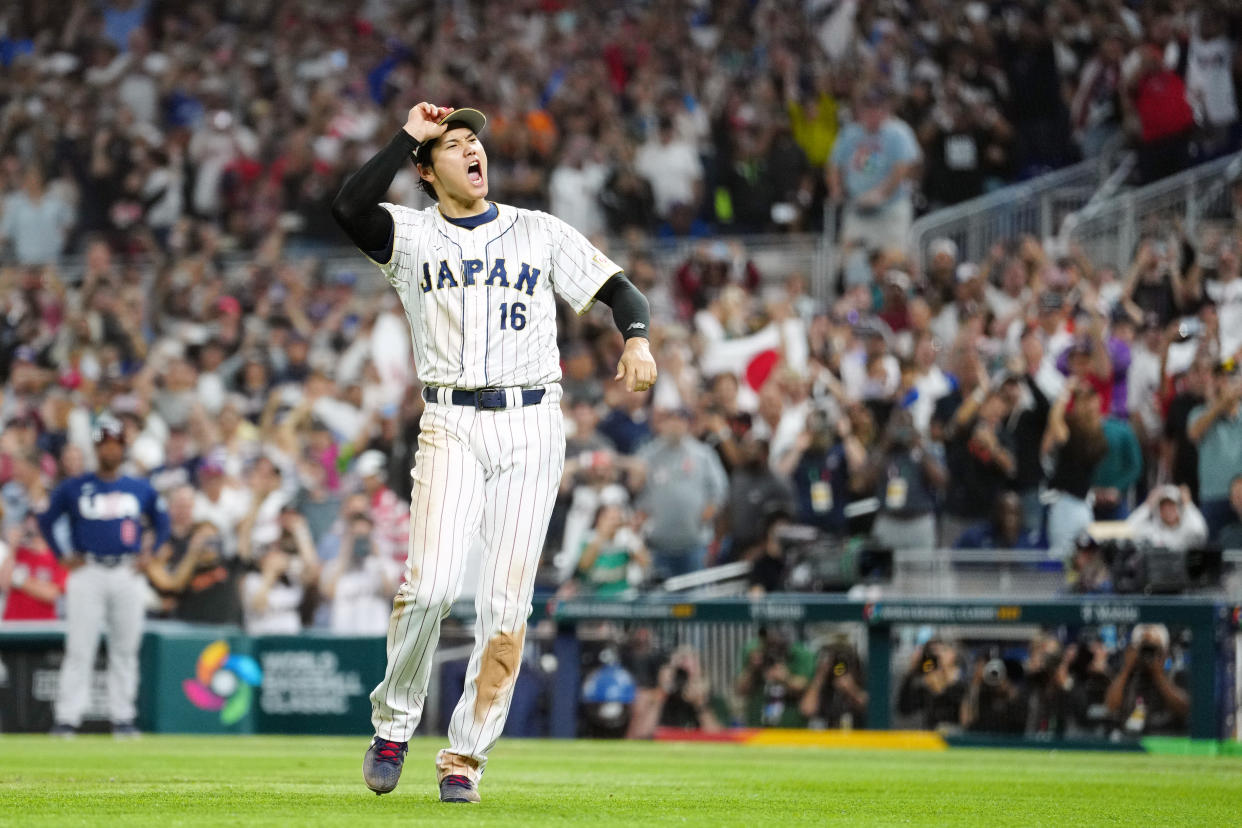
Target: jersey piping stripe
460	258
487	331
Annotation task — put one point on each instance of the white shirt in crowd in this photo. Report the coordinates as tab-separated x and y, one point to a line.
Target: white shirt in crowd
1191	530
225	514
360	605
1209	80
281	616
573	196
671	169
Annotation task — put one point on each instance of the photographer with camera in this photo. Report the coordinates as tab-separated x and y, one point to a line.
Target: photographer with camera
907	477
993	701
837	695
933	687
829	473
1084	676
360	582
1143	698
776	672
685	694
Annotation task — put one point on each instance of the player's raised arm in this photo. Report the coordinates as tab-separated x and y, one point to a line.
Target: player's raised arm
357	206
632	315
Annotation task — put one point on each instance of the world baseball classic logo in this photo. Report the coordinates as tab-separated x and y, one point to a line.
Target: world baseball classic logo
224	682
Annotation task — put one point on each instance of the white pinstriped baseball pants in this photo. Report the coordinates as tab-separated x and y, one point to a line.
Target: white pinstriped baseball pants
494	472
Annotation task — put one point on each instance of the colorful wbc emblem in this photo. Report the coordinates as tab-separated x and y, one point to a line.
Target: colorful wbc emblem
223	682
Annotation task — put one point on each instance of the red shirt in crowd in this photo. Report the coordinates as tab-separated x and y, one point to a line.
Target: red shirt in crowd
1163	110
38	565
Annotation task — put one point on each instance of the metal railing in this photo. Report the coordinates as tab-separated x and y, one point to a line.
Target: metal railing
1108	230
1037	207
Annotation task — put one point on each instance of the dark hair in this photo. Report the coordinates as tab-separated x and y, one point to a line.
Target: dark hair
422	157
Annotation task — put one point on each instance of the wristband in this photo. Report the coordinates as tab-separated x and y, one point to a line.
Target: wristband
20	576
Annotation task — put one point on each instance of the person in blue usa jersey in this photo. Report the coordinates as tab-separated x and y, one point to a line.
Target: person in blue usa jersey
107	514
477	281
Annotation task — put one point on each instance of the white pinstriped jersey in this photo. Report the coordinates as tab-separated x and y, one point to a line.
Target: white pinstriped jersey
479	301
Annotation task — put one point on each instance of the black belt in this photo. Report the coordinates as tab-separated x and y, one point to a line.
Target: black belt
490	399
110	561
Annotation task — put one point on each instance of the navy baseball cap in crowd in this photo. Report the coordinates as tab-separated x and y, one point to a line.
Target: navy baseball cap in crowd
108	427
467	117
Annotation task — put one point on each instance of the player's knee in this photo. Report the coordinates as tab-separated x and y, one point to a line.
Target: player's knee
431	596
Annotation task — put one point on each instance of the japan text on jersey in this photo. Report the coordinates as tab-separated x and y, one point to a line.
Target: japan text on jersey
480	300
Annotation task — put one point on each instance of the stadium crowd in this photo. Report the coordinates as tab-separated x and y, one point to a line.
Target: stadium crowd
998	403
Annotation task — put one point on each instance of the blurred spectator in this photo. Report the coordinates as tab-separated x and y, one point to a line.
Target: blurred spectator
1096	111
1024	429
769	570
1156	95
360	583
869	171
1210	65
161	567
1118	472
613	558
201	582
1169	520
932	688
575	186
755	494
837	696
776	671
980	459
32	580
390	514
277	595
1004	530
1144	697
1216	428
907	478
1036	105
591	480
35	222
1230	535
685	486
1089	572
1180	454
672	168
220	502
626	425
1075	439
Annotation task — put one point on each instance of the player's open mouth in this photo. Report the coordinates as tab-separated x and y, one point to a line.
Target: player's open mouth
474	173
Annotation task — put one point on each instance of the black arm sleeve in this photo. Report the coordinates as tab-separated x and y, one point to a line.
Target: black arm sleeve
356	207
630	310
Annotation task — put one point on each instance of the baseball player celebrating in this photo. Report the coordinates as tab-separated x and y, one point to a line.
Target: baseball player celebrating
106	513
476	280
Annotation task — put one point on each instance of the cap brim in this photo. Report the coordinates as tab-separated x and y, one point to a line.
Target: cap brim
472	118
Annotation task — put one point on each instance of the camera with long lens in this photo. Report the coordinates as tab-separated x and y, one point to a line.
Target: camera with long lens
994	672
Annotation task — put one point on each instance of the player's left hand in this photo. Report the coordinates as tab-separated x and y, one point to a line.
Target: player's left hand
637	367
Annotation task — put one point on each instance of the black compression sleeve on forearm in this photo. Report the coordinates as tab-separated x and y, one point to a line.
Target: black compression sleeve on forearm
630	310
356	207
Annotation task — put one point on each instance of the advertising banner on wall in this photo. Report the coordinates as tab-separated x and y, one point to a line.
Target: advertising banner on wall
316	683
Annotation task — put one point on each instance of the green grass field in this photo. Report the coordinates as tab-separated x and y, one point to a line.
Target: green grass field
180	780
